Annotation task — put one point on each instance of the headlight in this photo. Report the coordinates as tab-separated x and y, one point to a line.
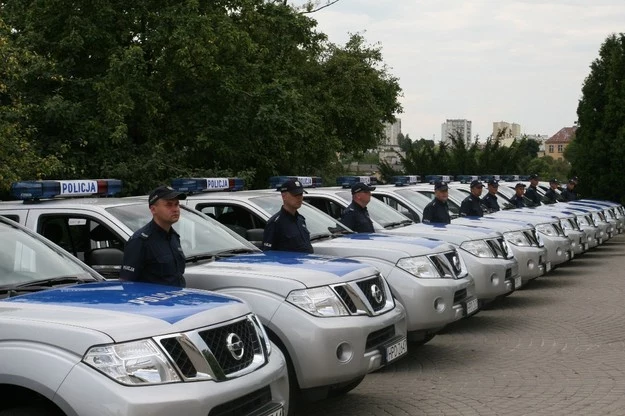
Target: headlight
596	218
132	363
478	248
419	266
318	301
517	238
546	229
581	220
263	333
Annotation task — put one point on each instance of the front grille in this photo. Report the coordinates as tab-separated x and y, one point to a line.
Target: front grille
532	237
454	260
559	229
243	405
497	248
379	337
508	274
443	266
460	295
180	357
347	300
373	289
217	341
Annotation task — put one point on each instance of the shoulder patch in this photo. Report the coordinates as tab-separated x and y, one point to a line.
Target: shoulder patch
144	236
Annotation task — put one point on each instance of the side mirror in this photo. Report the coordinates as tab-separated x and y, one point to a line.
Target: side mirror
255	236
106	261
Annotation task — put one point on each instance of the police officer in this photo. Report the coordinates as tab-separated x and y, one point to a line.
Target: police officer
471	206
153	254
532	193
437	211
551	196
286	230
490	200
569	193
356	216
517	199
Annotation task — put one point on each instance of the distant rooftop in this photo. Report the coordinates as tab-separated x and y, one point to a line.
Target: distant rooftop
565	135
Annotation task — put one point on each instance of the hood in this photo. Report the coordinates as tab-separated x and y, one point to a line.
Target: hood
387	247
452	233
500	224
518	214
120	310
279	272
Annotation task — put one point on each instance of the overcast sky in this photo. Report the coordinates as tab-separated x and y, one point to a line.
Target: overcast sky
521	61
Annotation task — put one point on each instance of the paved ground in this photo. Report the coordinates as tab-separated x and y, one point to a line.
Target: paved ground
555	348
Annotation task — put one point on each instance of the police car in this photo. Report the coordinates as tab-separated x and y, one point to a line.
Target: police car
520	237
425	275
74	344
345	308
486	256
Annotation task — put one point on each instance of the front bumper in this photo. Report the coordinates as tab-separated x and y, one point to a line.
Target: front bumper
332	350
579	241
431	303
493	277
532	261
88	392
558	249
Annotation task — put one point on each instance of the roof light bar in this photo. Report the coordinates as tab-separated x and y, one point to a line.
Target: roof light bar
406	180
306	181
348	181
35	190
193	185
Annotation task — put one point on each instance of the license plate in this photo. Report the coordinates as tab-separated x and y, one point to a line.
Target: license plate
585	246
518	282
547	266
572	254
278	412
395	350
471	306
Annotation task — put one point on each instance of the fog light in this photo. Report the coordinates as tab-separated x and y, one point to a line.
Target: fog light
559	252
439	305
531	264
344	352
494	279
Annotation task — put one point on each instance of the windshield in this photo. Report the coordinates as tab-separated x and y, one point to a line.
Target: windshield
25	258
317	222
379	211
199	234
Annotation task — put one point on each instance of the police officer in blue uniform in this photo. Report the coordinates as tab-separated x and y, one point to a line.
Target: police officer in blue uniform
437	211
490	200
286	230
356	216
551	196
569	193
517	199
154	254
471	206
532	193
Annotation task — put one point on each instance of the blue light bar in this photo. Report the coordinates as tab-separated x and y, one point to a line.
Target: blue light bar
306	181
34	190
193	185
406	180
348	181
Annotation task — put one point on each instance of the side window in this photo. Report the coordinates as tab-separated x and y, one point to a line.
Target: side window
407	211
238	219
15	218
335	210
324	205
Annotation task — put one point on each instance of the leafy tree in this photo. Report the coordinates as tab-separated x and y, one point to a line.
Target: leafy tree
599	149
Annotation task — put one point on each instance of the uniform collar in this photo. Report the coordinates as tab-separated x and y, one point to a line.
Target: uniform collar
287	213
357	206
157	228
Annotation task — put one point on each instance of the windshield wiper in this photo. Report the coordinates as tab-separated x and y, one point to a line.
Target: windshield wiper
339	231
321	237
199	257
43	284
235	251
397	224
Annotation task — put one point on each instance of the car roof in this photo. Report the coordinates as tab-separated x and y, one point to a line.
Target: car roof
72	202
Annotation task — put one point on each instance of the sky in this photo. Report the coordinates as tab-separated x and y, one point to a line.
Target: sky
520	61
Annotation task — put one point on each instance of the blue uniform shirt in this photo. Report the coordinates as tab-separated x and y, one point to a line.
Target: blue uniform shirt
357	218
471	207
490	202
532	194
153	255
436	212
517	201
287	232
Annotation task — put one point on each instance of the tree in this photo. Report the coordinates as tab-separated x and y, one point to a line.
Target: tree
599	151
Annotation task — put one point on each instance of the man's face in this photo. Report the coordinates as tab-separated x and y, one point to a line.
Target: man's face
520	191
493	189
553	185
441	195
476	191
570	186
166	211
534	181
362	198
292	202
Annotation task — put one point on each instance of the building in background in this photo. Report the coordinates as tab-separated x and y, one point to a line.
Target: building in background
555	145
456	127
389	149
507	132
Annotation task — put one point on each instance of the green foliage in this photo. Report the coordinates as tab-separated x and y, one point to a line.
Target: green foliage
147	91
599	150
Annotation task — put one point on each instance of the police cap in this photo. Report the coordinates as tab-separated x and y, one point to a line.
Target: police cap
476	184
293	187
554	180
165	192
534	176
493	182
361	187
440	186
519	185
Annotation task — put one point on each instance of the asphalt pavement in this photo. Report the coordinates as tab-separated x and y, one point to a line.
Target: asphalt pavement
554	348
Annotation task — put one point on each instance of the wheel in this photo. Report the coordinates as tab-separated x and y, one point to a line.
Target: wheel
345	388
29	411
295	394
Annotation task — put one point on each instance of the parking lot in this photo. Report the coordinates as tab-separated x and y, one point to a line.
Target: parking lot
556	347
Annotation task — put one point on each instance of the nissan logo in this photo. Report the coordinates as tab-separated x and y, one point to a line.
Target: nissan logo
235	346
377	293
456	262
